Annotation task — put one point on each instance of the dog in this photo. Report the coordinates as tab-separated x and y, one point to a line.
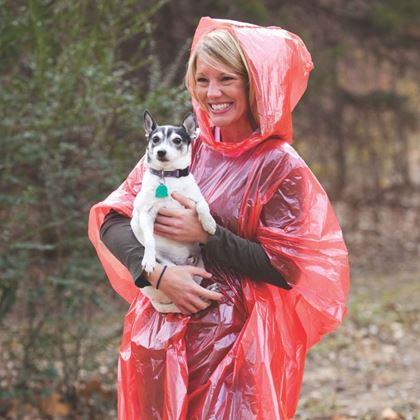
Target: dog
168	157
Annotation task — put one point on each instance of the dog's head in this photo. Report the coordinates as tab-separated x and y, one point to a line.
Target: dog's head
169	145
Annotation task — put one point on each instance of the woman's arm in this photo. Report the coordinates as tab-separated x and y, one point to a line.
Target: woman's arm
118	237
242	256
224	248
177	281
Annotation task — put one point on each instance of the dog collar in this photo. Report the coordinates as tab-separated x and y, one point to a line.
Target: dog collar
162	189
177	173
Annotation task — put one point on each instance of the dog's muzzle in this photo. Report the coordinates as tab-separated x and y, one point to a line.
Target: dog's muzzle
161	155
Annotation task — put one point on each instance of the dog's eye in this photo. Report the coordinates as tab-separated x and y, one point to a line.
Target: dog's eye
177	141
155	139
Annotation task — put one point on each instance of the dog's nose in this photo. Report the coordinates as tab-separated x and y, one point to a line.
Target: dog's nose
161	153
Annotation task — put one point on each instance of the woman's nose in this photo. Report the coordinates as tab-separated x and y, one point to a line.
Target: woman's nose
213	90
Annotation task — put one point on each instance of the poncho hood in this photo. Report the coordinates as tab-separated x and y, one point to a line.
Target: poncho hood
279	66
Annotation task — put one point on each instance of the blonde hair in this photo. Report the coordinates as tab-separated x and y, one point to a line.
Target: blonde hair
220	48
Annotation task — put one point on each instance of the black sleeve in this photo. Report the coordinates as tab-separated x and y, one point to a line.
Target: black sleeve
118	237
242	256
224	248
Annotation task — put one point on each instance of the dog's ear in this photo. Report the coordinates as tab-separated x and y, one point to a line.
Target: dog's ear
149	123
190	125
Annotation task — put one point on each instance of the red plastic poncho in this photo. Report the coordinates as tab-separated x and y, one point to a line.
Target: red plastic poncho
243	358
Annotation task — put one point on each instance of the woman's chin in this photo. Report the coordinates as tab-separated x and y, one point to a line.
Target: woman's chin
220	121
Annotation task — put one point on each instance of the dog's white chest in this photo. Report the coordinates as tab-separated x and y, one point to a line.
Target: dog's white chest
147	203
153	186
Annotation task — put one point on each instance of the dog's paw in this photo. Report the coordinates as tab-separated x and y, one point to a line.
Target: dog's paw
214	287
206	219
208	223
149	262
148	266
198	279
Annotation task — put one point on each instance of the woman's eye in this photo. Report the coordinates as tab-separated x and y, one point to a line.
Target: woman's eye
227	78
201	80
177	141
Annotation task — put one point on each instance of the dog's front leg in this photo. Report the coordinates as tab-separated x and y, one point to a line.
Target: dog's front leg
146	223
203	210
205	217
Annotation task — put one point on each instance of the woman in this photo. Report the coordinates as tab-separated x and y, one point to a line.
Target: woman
278	252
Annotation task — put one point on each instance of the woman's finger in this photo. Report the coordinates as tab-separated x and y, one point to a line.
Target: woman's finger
164	220
171	212
158	228
186	202
199	303
198	271
183	307
190	308
184	310
209	294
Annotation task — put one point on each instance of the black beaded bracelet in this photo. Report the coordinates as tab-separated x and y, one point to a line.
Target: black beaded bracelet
161	275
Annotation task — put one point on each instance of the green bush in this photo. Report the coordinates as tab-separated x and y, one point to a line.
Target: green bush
76	78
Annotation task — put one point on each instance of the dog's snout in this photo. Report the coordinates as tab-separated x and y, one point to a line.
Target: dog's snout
161	153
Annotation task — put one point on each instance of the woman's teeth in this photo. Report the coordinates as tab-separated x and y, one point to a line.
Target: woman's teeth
220	107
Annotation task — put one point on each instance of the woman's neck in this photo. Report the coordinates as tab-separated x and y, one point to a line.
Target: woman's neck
240	130
235	134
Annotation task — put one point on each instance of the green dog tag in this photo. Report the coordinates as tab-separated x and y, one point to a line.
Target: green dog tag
161	191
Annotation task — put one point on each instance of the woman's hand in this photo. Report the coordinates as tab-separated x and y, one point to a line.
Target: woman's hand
181	224
178	284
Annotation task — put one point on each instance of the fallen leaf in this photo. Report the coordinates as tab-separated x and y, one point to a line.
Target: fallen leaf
53	406
390	414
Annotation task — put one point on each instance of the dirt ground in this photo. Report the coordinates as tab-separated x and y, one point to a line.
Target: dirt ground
369	368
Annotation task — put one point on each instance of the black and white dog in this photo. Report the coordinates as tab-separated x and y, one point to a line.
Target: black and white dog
168	158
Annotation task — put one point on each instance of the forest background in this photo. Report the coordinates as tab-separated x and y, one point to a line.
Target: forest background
75	78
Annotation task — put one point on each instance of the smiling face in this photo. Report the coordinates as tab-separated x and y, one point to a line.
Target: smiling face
224	95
